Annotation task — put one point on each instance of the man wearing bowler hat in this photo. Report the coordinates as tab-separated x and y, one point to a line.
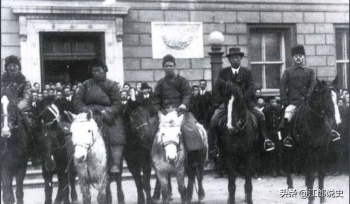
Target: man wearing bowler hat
296	84
242	77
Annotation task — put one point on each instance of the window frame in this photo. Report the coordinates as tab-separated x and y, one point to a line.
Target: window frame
343	29
288	34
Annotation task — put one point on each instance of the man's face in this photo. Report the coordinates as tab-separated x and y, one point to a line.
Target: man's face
35	96
299	59
47	87
169	68
66	92
51	93
58	94
74	87
98	73
347	98
58	86
138	86
145	91
126	87
37	87
260	101
340	103
273	102
202	85
124	96
195	91
53	87
235	61
40	97
13	69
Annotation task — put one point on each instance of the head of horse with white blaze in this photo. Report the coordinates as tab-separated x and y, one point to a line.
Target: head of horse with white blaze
5	122
169	134
84	132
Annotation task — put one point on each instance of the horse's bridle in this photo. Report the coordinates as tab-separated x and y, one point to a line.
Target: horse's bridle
88	146
140	126
171	142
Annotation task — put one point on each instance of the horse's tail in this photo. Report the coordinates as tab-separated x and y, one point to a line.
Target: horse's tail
204	137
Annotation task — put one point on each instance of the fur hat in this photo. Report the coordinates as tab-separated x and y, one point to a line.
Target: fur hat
299	49
234	51
145	86
97	62
168	58
12	60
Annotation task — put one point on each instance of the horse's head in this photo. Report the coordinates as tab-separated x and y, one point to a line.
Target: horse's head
9	116
323	100
84	132
169	134
139	121
237	111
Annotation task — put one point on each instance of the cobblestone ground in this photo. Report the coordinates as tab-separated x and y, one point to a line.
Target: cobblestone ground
265	191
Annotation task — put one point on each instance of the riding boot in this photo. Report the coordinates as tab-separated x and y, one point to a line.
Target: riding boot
116	158
212	138
288	141
268	144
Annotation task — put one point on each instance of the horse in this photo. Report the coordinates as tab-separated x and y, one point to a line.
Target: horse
241	135
168	154
313	122
137	152
90	156
14	149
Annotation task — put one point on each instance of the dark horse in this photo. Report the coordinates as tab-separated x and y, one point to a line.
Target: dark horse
140	130
14	149
55	161
241	135
313	121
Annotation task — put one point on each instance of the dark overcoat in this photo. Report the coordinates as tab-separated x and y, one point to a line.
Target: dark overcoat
296	83
103	96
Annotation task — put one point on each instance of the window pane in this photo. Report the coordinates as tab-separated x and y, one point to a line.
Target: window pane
347	45
347	76
273	75
339	45
272	44
255	49
257	75
340	73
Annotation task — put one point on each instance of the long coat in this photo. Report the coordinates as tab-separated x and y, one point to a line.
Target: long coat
244	80
296	83
103	96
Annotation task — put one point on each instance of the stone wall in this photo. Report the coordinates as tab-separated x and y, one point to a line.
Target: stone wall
314	22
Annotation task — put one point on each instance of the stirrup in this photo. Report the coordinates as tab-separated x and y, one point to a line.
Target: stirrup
335	135
272	147
288	142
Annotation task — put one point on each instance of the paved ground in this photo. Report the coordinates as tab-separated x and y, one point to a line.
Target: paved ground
265	191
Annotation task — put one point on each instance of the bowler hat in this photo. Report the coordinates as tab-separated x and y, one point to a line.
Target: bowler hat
144	86
299	49
234	51
97	62
12	60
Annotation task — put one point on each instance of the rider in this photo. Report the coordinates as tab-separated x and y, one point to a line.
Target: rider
242	77
174	92
296	84
102	97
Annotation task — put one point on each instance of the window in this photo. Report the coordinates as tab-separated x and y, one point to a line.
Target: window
269	47
342	55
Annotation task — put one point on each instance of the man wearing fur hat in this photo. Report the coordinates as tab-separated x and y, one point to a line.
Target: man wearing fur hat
296	84
102	97
174	92
241	76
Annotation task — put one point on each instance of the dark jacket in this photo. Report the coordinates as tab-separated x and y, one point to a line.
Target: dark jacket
19	88
244	80
102	96
171	92
201	108
296	83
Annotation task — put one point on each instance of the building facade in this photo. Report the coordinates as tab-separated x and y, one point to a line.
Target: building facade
56	39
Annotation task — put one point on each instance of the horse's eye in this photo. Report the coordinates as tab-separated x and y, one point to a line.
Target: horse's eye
89	131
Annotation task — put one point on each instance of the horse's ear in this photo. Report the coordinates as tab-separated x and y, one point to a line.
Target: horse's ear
70	116
89	115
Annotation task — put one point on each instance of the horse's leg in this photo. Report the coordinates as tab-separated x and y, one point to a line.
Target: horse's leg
102	198
231	179
248	189
85	189
200	174
63	188
191	180
120	192
108	189
146	168
170	188
180	176
309	181
6	182
19	183
156	192
72	176
135	171
47	175
163	181
321	175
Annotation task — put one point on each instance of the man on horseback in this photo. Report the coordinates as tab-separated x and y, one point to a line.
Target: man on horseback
242	77
102	97
174	92
296	84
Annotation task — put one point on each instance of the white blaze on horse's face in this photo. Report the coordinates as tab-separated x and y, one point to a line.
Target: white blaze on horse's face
5	129
83	135
170	133
336	109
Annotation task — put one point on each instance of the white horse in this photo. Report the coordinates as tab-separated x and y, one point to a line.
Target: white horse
168	154
90	157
